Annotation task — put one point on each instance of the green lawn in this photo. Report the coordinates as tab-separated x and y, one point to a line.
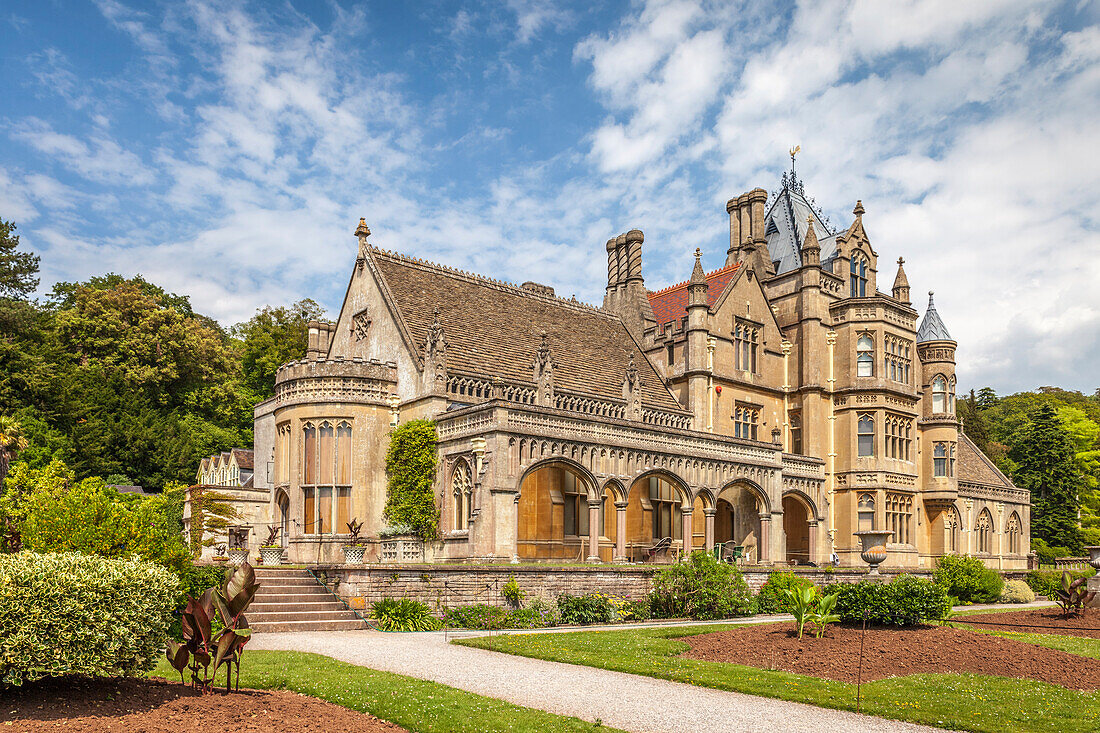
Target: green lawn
426	707
959	701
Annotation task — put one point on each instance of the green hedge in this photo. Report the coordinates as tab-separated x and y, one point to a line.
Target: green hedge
906	601
1048	582
968	579
81	614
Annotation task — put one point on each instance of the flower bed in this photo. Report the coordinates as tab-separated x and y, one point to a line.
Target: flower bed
892	652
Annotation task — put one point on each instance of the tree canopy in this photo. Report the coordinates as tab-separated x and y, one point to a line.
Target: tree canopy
117	376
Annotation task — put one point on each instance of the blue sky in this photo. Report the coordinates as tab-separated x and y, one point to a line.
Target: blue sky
226	150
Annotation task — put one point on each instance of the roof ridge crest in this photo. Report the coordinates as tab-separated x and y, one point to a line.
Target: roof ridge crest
502	285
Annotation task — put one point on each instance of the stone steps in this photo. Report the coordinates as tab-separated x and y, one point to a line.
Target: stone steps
293	600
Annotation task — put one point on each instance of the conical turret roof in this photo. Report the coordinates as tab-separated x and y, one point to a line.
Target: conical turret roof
931	326
901	281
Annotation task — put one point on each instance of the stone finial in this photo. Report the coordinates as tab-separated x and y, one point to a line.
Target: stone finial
697	274
901	283
362	230
858	210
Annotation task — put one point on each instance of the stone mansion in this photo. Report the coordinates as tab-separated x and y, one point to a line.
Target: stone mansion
780	401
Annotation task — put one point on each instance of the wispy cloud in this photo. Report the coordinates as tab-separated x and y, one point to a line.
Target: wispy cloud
229	148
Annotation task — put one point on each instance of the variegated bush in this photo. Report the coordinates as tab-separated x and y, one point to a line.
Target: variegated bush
81	614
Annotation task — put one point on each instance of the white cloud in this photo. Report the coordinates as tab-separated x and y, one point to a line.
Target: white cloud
99	159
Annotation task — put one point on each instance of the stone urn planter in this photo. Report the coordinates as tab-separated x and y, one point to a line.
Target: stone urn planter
238	556
271	555
353	554
874	547
1094	556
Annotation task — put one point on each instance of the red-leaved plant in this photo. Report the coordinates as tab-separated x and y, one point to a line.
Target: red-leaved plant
206	650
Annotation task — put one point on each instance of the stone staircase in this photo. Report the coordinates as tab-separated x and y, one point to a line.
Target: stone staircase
292	600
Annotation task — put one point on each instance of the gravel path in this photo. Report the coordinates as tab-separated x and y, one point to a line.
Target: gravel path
631	702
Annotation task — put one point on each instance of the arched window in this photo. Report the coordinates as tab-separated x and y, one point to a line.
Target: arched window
865	436
866	510
666	509
859	276
1014	532
939	394
865	356
984	530
461	488
745	338
899	509
939	459
795	421
951	525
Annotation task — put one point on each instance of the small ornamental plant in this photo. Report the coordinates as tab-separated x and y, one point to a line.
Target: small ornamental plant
355	527
1072	597
205	651
271	540
512	592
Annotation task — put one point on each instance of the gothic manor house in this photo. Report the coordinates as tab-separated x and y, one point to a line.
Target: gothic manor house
780	402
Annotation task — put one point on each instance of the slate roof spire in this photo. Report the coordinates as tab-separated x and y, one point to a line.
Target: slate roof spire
931	326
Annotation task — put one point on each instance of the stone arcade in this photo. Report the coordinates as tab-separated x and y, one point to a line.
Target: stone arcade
780	402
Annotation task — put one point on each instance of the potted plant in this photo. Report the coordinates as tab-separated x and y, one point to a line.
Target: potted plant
271	553
238	553
356	545
220	556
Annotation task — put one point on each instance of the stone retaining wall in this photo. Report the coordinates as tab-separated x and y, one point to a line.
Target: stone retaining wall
460	585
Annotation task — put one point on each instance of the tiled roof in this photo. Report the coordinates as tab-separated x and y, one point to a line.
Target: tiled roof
494	329
244	458
974	467
670	304
931	326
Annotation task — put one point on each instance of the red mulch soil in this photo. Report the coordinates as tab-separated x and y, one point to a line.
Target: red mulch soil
892	652
158	706
1037	621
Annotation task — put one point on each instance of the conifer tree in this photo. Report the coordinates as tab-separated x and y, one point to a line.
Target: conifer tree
1046	467
974	424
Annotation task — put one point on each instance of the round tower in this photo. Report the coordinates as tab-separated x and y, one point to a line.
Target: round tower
939	426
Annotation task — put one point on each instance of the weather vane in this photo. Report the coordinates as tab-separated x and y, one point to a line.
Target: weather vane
794	151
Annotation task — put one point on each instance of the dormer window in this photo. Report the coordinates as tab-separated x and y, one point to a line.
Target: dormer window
865	356
859	276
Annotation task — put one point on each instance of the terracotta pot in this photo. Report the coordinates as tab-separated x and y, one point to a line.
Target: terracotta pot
1094	556
874	547
353	554
271	555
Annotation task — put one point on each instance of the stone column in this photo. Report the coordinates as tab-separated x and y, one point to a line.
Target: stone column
686	531
765	551
505	523
593	531
708	532
620	531
813	540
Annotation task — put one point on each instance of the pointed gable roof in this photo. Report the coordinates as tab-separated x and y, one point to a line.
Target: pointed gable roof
494	329
976	468
931	326
785	225
670	304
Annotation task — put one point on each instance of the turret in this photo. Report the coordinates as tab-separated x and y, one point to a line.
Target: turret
940	434
695	361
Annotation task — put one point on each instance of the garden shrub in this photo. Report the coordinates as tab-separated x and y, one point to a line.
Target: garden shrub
968	579
81	614
906	601
481	616
403	614
1048	582
594	608
771	599
410	468
700	587
476	616
1017	591
512	592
